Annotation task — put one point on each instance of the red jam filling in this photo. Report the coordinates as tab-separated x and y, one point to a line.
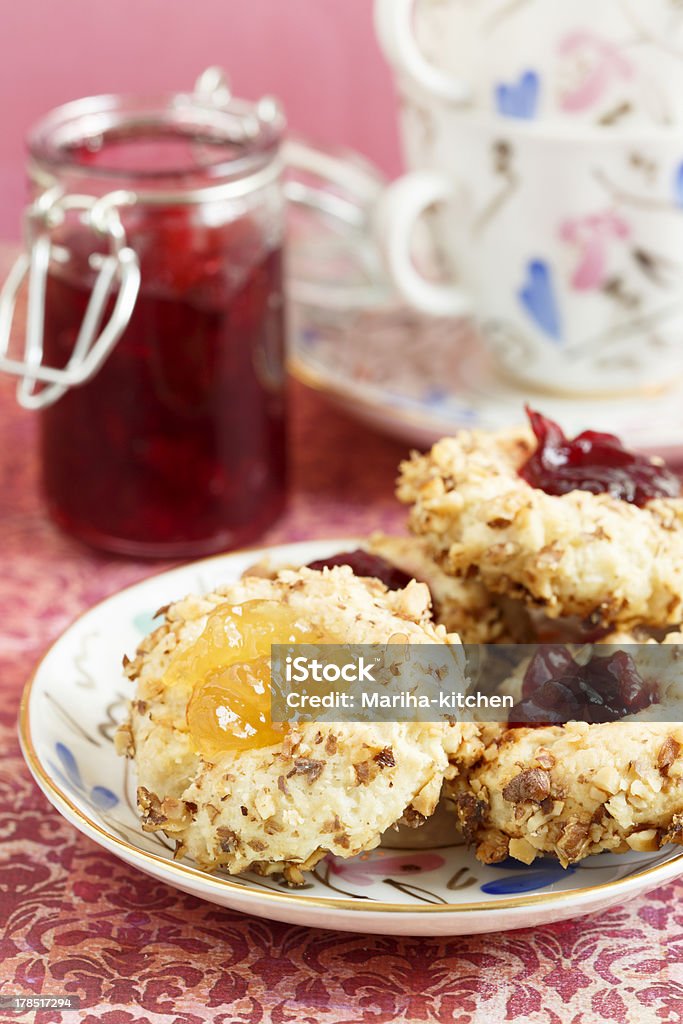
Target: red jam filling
595	462
365	564
557	689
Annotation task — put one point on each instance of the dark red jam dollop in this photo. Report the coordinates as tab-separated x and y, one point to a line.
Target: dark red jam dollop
365	564
595	462
557	689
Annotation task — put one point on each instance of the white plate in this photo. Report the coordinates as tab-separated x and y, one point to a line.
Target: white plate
419	883
420	380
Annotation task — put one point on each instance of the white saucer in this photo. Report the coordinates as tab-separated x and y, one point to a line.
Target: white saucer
419	381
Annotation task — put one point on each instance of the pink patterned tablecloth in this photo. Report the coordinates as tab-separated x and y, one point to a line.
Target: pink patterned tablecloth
76	920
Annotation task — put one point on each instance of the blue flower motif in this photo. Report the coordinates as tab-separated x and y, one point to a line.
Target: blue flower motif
678	185
99	797
519	99
468	414
144	622
309	337
537	296
435	396
544	873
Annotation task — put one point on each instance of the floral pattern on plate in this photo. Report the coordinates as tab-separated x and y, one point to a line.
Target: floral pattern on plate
420	881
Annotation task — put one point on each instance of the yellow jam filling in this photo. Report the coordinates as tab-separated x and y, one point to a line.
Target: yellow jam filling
228	668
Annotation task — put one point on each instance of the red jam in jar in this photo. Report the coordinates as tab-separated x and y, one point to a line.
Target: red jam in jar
176	446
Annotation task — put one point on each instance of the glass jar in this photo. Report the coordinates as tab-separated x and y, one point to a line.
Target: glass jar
155	251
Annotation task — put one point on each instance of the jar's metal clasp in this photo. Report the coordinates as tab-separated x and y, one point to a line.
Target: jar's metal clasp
40	385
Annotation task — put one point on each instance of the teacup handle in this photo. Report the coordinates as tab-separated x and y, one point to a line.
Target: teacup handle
398	210
394	28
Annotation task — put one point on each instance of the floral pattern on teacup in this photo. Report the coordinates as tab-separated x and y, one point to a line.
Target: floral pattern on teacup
537	296
519	99
678	185
591	235
589	66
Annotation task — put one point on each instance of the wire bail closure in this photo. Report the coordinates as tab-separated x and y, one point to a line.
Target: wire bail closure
119	269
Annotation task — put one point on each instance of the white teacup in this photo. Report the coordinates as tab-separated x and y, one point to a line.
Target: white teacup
567	247
599	61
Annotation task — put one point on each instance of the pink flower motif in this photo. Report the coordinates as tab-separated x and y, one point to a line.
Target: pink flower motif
364	870
591	235
599	62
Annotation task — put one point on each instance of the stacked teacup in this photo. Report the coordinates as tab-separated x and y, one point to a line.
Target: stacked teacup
547	137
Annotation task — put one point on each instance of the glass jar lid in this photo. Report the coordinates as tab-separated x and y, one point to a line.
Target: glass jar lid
95	157
164	148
